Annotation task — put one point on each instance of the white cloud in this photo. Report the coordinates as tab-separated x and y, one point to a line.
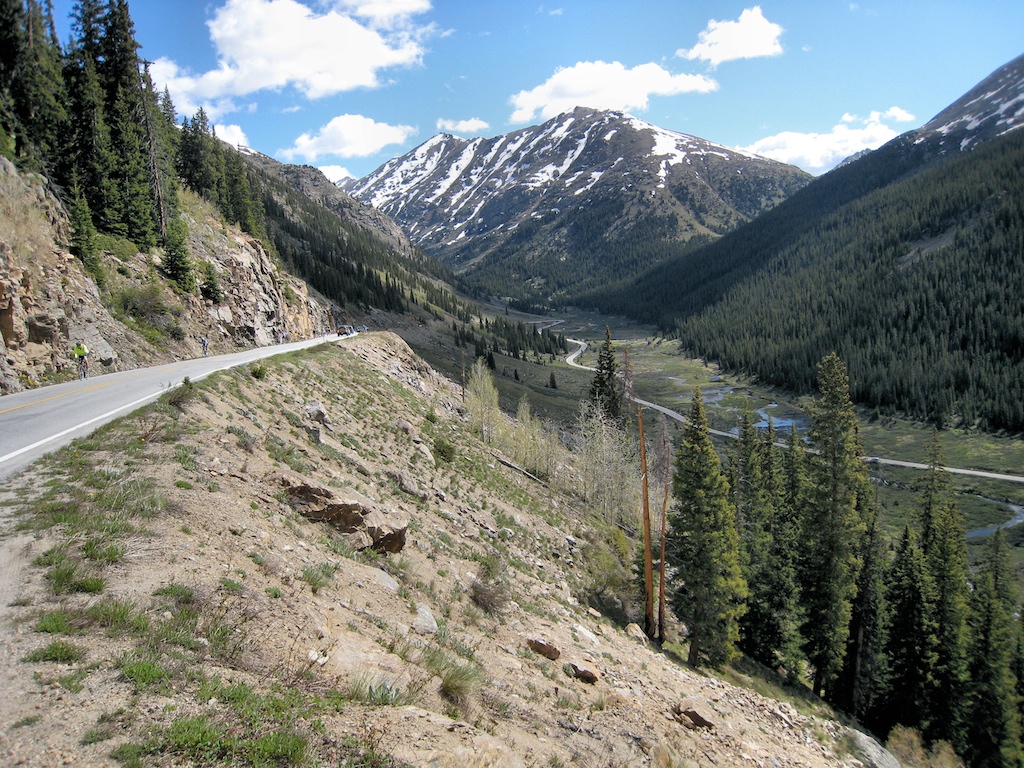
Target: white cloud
820	152
272	44
347	136
474	125
386	13
603	85
336	173
751	36
232	134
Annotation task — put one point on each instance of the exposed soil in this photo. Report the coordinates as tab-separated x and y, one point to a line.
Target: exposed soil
219	524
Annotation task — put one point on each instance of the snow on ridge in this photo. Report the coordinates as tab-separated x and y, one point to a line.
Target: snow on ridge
455	170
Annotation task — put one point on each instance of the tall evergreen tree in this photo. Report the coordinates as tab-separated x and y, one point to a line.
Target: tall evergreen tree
83	233
131	212
38	86
12	41
708	589
994	734
199	161
605	389
911	637
177	264
768	632
118	66
945	552
88	154
833	524
861	688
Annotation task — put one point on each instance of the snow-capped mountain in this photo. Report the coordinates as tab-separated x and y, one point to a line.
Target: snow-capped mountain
588	196
993	107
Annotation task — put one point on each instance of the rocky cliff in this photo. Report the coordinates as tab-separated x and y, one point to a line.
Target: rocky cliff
48	300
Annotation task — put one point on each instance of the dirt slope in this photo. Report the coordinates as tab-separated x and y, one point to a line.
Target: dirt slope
184	612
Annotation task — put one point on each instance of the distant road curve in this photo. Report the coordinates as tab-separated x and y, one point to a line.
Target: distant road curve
572	357
38	421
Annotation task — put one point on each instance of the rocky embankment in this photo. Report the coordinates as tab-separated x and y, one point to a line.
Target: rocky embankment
48	301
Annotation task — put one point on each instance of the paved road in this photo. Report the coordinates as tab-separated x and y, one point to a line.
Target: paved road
38	421
582	346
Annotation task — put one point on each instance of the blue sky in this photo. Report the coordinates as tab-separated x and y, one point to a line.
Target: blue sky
346	85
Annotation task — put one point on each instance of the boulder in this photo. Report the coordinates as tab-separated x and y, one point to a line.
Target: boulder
364	523
544	648
634	631
315	412
586	674
406	484
685	713
425	623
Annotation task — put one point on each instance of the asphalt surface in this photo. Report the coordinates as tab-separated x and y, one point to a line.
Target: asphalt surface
38	421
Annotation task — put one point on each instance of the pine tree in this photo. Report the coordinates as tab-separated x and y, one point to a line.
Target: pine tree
945	551
118	65
177	264
131	213
862	686
993	737
12	42
833	525
38	85
911	636
83	233
703	547
199	161
605	390
88	154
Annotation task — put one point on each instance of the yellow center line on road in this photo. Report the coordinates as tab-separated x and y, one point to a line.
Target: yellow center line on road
54	397
89	388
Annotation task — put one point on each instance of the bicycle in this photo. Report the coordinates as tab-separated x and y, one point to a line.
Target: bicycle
83	368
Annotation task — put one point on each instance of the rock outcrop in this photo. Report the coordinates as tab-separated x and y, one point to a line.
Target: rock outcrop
48	301
364	523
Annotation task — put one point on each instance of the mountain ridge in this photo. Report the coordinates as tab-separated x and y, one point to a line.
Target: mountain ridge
504	212
811	275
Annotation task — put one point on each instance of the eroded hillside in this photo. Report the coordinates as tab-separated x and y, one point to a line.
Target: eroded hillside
192	586
127	313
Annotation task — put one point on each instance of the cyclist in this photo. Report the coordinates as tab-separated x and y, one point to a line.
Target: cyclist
81	354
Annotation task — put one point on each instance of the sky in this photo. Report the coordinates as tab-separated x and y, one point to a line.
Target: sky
346	85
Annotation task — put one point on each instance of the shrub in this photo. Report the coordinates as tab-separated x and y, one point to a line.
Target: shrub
460	682
143	302
144	672
318	575
489	593
279	748
444	449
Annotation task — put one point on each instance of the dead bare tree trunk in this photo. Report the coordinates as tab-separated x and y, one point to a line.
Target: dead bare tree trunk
665	458
649	624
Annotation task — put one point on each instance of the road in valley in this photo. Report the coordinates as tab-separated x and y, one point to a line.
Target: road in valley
38	421
573	357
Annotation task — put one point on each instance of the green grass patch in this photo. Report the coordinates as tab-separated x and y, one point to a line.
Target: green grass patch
58	652
59	622
144	673
318	576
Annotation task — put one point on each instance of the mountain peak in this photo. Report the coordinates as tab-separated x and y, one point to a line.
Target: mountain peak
569	190
993	107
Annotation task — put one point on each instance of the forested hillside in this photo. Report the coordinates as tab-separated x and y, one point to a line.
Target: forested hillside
87	118
913	278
